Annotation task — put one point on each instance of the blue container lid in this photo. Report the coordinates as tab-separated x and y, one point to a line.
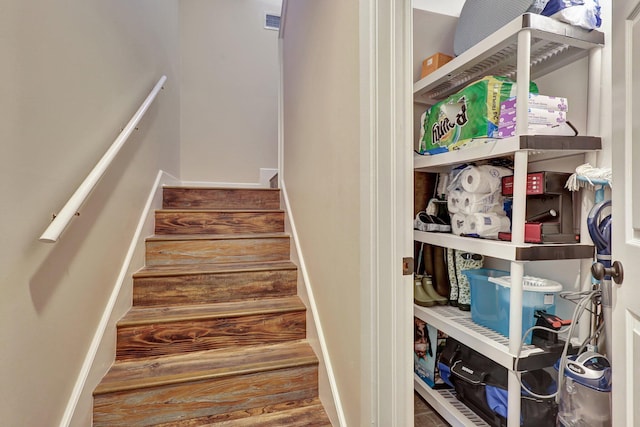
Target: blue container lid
530	283
484	273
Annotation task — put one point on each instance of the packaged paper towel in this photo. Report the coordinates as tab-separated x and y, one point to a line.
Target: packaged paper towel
454	201
459	224
487	225
471	203
474	112
481	179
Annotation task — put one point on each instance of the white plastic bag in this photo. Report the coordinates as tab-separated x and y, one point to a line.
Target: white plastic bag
582	13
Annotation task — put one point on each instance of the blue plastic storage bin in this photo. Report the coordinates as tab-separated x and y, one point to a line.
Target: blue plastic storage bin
490	299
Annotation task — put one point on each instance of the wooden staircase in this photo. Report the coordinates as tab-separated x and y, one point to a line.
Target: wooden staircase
216	335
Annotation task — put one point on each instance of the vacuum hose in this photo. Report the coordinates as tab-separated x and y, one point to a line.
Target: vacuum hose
599	227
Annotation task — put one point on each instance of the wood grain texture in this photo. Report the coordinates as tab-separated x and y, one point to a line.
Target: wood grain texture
220	198
204	268
176	368
210	248
175	402
218	222
216	335
149	315
307	416
192	286
232	417
183	336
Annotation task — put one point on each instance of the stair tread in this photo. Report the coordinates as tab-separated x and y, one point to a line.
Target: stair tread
164	314
312	415
214	343
197	187
178	237
172	369
204	268
222	210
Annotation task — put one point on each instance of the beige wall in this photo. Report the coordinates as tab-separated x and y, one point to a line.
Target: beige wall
73	73
321	173
229	90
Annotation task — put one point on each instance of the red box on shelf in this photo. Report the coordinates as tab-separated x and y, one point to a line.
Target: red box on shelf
543	232
538	183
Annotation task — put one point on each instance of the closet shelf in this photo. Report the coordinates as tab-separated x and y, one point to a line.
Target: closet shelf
507	250
539	147
459	325
554	44
448	406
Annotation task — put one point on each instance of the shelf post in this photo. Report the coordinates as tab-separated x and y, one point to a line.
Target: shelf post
594	92
522	123
523	76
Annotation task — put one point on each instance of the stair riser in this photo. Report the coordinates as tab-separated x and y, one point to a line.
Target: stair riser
212	288
138	341
208	198
310	416
254	416
207	398
218	222
224	250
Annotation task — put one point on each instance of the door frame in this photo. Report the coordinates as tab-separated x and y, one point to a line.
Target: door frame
386	211
625	313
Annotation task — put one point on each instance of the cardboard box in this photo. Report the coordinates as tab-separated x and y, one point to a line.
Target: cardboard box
434	62
553	103
427	346
560	129
537	116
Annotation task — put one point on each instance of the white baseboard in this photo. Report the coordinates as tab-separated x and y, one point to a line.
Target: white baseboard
315	334
101	352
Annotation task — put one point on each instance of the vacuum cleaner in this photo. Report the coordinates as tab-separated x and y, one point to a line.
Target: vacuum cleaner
584	397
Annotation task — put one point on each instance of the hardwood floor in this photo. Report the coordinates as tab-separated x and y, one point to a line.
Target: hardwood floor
425	416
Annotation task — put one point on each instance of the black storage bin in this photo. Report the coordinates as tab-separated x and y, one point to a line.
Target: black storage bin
481	384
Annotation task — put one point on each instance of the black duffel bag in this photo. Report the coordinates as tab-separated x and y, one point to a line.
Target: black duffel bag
481	384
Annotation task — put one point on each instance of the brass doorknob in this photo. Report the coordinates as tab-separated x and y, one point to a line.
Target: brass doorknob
616	271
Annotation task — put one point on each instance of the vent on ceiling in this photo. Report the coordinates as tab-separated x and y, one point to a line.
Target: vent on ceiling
271	21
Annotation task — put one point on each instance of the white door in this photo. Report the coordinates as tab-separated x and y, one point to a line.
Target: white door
626	211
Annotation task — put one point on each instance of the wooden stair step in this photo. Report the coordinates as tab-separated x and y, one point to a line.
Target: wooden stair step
182	221
312	415
151	331
208	283
208	248
205	398
247	415
220	198
216	267
203	365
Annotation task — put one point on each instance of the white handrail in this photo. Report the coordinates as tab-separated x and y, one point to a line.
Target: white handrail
63	218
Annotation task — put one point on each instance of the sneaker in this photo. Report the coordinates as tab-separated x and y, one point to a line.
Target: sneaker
425	222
